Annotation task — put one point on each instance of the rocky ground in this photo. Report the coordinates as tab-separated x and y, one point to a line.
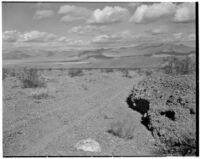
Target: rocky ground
72	108
169	105
158	117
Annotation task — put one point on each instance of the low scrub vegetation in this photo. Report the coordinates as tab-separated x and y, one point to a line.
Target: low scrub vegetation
107	70
7	72
123	128
75	72
31	78
40	93
176	66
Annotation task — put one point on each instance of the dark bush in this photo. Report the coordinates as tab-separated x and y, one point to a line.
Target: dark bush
8	72
123	128
171	114
5	73
31	78
75	72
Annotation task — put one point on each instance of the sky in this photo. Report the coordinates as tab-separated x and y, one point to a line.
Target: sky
97	24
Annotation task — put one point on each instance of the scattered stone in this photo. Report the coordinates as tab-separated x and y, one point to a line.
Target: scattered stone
88	145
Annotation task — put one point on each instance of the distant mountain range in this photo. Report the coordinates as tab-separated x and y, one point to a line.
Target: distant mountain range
140	50
102	53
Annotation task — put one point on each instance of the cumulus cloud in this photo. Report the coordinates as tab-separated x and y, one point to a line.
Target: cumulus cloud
152	12
40	38
185	12
10	36
123	36
73	13
41	14
108	15
37	36
79	42
178	36
62	39
32	36
69	18
86	29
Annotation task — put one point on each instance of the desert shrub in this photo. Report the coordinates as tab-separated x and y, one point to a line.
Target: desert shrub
123	128
31	78
125	73
5	73
40	93
75	72
176	66
171	114
8	72
148	72
108	70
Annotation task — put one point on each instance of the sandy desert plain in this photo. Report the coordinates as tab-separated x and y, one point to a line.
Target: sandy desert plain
53	104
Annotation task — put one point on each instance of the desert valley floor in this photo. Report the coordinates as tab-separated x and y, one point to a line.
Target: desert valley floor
76	108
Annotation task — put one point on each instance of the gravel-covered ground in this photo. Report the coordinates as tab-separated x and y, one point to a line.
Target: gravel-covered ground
128	114
75	108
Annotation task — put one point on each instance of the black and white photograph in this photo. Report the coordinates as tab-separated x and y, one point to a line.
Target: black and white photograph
108	79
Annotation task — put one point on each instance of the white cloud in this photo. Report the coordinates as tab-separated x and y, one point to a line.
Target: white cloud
79	42
37	36
178	35
86	29
123	36
108	15
185	12
10	36
68	18
41	14
62	39
73	13
32	36
70	9
152	12
159	30
40	38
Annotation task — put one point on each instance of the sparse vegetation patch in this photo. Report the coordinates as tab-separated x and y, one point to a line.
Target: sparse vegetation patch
123	128
75	72
40	93
176	66
31	78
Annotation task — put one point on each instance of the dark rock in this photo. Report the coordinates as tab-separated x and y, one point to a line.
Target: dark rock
170	105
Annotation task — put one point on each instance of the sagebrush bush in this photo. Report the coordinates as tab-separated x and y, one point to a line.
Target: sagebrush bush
8	72
31	78
123	129
107	70
75	72
5	73
40	93
177	66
